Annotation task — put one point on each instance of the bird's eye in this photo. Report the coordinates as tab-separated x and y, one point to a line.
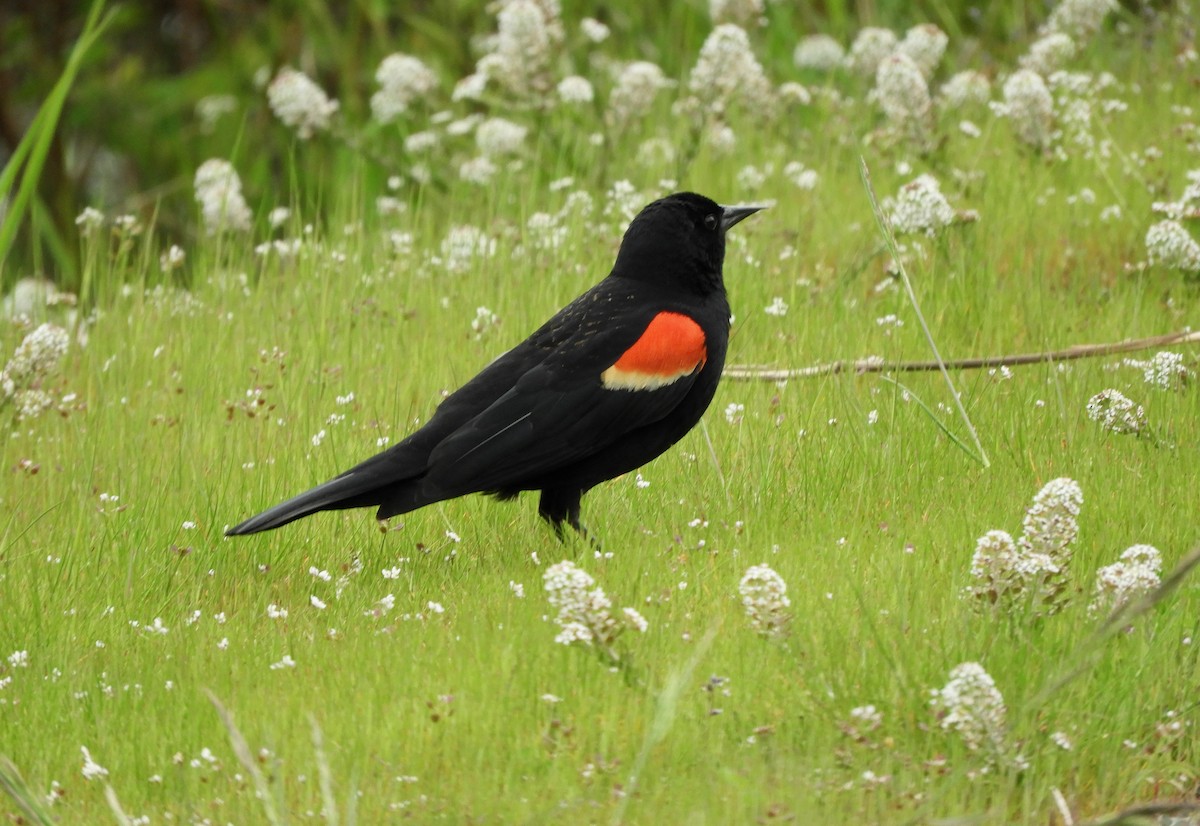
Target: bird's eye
711	221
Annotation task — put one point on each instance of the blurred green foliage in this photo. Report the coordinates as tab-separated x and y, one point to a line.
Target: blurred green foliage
134	130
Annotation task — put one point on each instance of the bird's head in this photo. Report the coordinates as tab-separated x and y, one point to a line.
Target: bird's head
679	240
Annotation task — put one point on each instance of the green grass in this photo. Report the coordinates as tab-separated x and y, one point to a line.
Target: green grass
442	716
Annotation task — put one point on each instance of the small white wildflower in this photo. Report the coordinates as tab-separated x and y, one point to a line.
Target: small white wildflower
777	307
576	89
1166	371
903	95
741	12
866	718
403	80
1060	739
316	602
584	610
1052	522
635	91
1115	412
971	704
820	52
1172	246
300	103
1030	107
19	659
1049	54
275	612
478	170
517	589
172	259
925	44
764	597
727	71
967	88
285	662
869	48
1133	576
91	769
920	206
497	136
219	193
90	220
1079	18
734	412
594	30
484	320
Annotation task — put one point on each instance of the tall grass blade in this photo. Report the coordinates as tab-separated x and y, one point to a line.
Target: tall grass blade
28	801
242	750
35	145
893	249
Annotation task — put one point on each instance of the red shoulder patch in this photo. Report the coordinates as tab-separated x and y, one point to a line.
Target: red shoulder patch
671	347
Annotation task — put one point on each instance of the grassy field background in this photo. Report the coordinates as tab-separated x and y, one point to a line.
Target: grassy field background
424	654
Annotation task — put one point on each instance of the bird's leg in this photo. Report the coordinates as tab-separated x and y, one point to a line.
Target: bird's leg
558	507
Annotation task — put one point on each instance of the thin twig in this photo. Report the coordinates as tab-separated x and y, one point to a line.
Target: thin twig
1078	351
893	248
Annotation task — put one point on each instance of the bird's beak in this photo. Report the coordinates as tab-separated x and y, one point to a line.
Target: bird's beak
734	214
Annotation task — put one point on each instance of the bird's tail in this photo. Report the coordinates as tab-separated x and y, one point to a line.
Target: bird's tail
354	489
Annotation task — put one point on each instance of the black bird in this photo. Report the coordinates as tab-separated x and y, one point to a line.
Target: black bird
610	382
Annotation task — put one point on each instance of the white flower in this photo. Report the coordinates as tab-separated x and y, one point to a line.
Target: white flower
777	307
172	259
869	49
285	662
584	610
727	71
903	94
764	597
820	52
300	103
866	718
38	355
1115	412
734	412
497	136
19	659
90	220
803	178
479	170
1079	18
1049	54
925	44
419	142
920	206
594	30
635	91
403	79
1166	371
965	88
219	193
575	89
1028	104
520	62
1170	245
484	320
316	602
741	12
463	244
91	769
971	704
1136	574
1052	522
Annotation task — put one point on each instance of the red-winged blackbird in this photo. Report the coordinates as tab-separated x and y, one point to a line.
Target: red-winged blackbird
613	380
